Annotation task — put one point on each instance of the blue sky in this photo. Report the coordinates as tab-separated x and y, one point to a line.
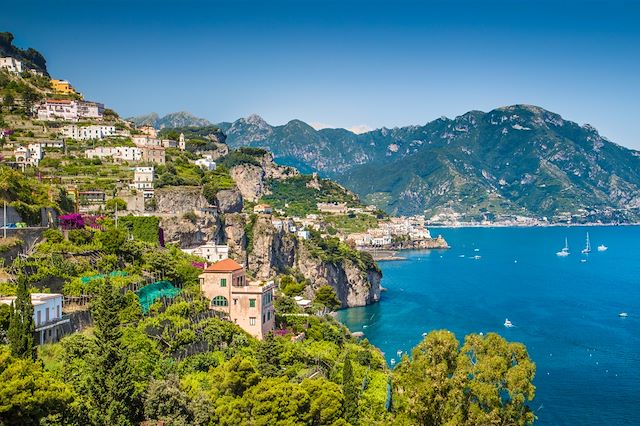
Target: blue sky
345	63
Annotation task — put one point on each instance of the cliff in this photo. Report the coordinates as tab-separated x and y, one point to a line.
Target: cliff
267	251
252	179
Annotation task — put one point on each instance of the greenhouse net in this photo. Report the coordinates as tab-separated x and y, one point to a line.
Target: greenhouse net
152	292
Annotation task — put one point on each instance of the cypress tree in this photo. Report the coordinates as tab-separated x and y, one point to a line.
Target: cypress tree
350	392
112	386
21	324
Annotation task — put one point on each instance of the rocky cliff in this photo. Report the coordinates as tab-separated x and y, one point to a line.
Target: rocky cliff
252	179
254	241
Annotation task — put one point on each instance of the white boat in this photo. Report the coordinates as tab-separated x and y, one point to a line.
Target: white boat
602	247
587	247
477	257
623	314
393	361
565	250
508	323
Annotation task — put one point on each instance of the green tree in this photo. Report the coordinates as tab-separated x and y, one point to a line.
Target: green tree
326	401
28	394
350	391
269	356
111	239
326	296
487	381
165	401
112	383
21	324
8	101
111	204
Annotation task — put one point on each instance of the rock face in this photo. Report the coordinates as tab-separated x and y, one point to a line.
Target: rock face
180	199
229	201
267	251
189	233
250	179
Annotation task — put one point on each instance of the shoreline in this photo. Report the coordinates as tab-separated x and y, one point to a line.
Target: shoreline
512	225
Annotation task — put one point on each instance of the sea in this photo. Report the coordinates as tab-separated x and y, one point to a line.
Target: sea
564	309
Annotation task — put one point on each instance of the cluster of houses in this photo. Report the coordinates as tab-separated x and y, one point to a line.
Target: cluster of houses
412	228
69	110
16	66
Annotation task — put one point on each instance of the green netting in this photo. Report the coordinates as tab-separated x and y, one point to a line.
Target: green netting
112	274
152	292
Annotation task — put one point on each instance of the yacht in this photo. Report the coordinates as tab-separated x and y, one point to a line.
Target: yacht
623	314
508	323
565	250
587	247
602	247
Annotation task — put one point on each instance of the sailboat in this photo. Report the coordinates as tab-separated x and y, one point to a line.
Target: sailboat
565	250
587	248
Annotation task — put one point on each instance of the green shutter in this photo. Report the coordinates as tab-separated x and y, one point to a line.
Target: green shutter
252	303
223	282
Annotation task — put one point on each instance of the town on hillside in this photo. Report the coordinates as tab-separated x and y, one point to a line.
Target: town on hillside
94	170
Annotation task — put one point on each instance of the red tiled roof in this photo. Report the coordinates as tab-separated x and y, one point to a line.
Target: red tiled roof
227	265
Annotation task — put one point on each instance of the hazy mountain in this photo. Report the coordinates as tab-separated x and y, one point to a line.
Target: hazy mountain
515	160
175	119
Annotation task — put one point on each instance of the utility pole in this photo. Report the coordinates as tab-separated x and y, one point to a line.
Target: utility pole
4	221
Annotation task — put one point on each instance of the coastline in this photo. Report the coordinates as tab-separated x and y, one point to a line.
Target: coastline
514	225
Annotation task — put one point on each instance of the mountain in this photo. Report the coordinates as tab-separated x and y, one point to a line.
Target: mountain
519	160
175	119
30	57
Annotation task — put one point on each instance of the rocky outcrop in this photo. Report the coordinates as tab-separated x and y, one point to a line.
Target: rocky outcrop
250	179
180	199
189	232
229	201
254	241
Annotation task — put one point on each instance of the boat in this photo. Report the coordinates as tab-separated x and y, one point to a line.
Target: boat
393	361
583	260
565	250
476	257
623	314
602	247
508	323
587	247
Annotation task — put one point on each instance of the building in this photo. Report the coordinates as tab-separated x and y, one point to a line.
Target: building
12	65
303	234
154	155
250	305
68	110
143	180
360	239
117	153
210	252
149	131
333	208
182	144
383	240
206	163
262	209
88	132
47	315
63	87
30	155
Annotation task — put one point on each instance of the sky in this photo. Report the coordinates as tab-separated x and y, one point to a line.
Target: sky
354	64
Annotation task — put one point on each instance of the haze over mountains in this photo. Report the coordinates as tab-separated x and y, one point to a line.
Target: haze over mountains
517	160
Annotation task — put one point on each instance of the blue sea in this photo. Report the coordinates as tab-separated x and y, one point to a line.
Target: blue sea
564	310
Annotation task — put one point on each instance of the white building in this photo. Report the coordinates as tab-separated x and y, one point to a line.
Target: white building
47	314
68	110
381	241
303	234
11	64
143	180
206	163
360	239
88	132
29	156
182	144
117	153
210	252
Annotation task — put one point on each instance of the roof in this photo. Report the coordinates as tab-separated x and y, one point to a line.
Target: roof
226	265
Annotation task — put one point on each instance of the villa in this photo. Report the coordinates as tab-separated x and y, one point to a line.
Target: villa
47	315
12	65
250	305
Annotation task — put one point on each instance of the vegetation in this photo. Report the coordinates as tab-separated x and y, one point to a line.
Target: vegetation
332	250
21	324
297	196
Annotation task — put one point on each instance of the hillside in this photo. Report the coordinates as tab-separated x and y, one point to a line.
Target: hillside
175	119
30	57
517	160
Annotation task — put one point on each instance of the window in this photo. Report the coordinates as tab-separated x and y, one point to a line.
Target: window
39	318
268	315
235	301
252	320
252	303
219	301
223	282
